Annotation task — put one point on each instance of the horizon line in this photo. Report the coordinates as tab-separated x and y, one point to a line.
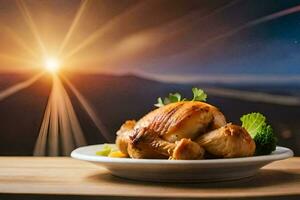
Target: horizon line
188	78
225	78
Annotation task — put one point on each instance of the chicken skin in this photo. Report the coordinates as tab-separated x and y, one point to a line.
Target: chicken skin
167	132
184	130
150	145
229	141
123	135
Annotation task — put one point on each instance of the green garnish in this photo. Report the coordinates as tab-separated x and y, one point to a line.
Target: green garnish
159	103
253	122
106	150
176	97
261	132
198	95
265	141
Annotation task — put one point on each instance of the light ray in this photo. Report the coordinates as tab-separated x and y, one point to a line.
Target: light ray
19	86
73	25
60	131
67	142
218	10
69	120
78	136
182	56
100	32
20	41
53	125
150	38
28	19
41	142
89	110
275	15
286	100
250	24
255	96
17	59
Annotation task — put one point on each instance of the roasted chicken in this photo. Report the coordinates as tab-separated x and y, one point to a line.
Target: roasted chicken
228	141
183	130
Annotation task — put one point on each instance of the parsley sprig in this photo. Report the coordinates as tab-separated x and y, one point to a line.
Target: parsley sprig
198	95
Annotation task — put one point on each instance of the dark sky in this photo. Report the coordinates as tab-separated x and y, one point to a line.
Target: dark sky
270	48
161	37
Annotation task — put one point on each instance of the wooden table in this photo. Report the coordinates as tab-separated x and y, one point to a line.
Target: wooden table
66	178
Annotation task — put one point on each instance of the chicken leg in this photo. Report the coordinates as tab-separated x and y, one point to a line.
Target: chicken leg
147	144
229	141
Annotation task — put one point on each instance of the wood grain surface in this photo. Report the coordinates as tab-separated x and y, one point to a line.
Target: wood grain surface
73	179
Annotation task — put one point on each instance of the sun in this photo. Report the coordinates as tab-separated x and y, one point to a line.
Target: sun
52	64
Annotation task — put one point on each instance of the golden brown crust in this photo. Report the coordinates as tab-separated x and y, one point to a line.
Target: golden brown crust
186	149
168	131
150	145
189	121
123	135
228	141
182	120
145	143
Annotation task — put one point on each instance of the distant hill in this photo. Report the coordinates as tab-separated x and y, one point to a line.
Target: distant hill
118	98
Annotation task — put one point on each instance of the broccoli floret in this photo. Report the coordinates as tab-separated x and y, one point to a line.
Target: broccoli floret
262	134
265	141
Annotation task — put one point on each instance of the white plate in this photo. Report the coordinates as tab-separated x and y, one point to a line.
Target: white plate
180	170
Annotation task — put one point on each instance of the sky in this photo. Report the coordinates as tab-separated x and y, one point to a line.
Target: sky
269	48
159	38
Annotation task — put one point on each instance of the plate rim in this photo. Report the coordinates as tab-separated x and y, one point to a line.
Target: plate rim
287	153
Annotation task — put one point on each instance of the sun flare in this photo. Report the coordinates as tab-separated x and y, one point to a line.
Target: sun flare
52	65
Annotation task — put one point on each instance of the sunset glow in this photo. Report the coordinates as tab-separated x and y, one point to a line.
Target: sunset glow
52	65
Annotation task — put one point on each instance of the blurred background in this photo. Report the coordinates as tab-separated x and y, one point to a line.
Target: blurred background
115	58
